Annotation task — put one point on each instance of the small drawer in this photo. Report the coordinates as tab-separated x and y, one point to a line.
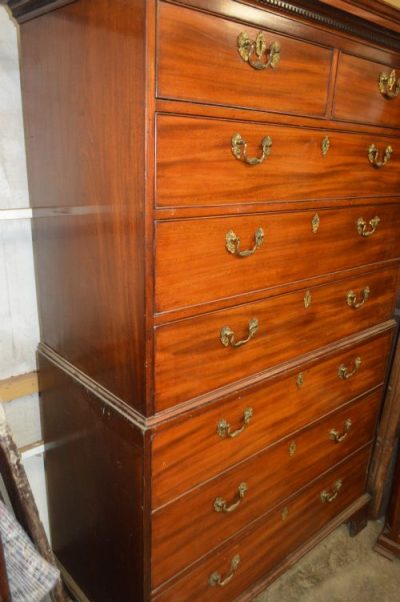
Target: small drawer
188	527
204	58
367	92
214	438
211	162
245	340
201	260
251	555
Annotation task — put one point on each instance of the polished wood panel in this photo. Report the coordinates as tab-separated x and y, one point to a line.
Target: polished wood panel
286	328
357	93
279	408
78	138
195	252
101	547
272	538
124	170
198	59
196	166
189	527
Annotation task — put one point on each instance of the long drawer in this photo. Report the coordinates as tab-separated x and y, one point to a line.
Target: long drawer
202	519
268	542
358	94
198	260
202	162
199	59
257	417
235	343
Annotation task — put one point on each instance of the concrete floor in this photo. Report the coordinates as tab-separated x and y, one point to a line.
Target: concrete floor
340	569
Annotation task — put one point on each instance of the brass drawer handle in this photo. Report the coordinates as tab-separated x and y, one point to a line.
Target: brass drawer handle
224	428
220	505
330	496
362	226
339	437
373	156
216	579
239	150
228	337
255	52
352	298
232	243
389	85
344	373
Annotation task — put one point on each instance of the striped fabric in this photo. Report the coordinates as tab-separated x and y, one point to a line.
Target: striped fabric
30	576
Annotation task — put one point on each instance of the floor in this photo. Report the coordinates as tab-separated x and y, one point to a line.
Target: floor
340	569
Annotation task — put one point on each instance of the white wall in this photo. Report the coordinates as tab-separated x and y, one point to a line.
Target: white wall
19	331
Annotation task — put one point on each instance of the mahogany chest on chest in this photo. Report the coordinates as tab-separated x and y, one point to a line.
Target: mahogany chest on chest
215	188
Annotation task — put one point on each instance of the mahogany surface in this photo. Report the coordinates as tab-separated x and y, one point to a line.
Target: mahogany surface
279	408
129	109
97	496
182	33
84	168
355	101
295	169
306	514
286	328
187	248
178	540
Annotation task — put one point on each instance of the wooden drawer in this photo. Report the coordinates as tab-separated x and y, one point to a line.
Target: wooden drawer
278	408
276	329
269	541
195	252
187	528
198	59
196	164
358	97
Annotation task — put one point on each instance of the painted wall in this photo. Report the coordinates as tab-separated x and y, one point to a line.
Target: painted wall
19	330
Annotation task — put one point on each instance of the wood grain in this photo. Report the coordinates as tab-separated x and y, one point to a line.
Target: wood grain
194	252
97	531
178	540
286	328
85	164
198	60
306	514
279	407
196	166
357	93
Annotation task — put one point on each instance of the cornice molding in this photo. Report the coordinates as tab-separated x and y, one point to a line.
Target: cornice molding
321	13
311	10
24	10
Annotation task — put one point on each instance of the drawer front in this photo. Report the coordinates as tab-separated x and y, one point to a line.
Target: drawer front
278	408
203	253
199	60
267	543
236	343
189	527
358	96
201	162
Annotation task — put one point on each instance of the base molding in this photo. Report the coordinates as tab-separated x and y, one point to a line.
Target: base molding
346	516
386	546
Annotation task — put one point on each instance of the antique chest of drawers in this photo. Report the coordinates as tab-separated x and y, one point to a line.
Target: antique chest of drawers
215	189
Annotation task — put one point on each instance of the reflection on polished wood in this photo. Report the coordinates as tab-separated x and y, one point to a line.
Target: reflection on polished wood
215	193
